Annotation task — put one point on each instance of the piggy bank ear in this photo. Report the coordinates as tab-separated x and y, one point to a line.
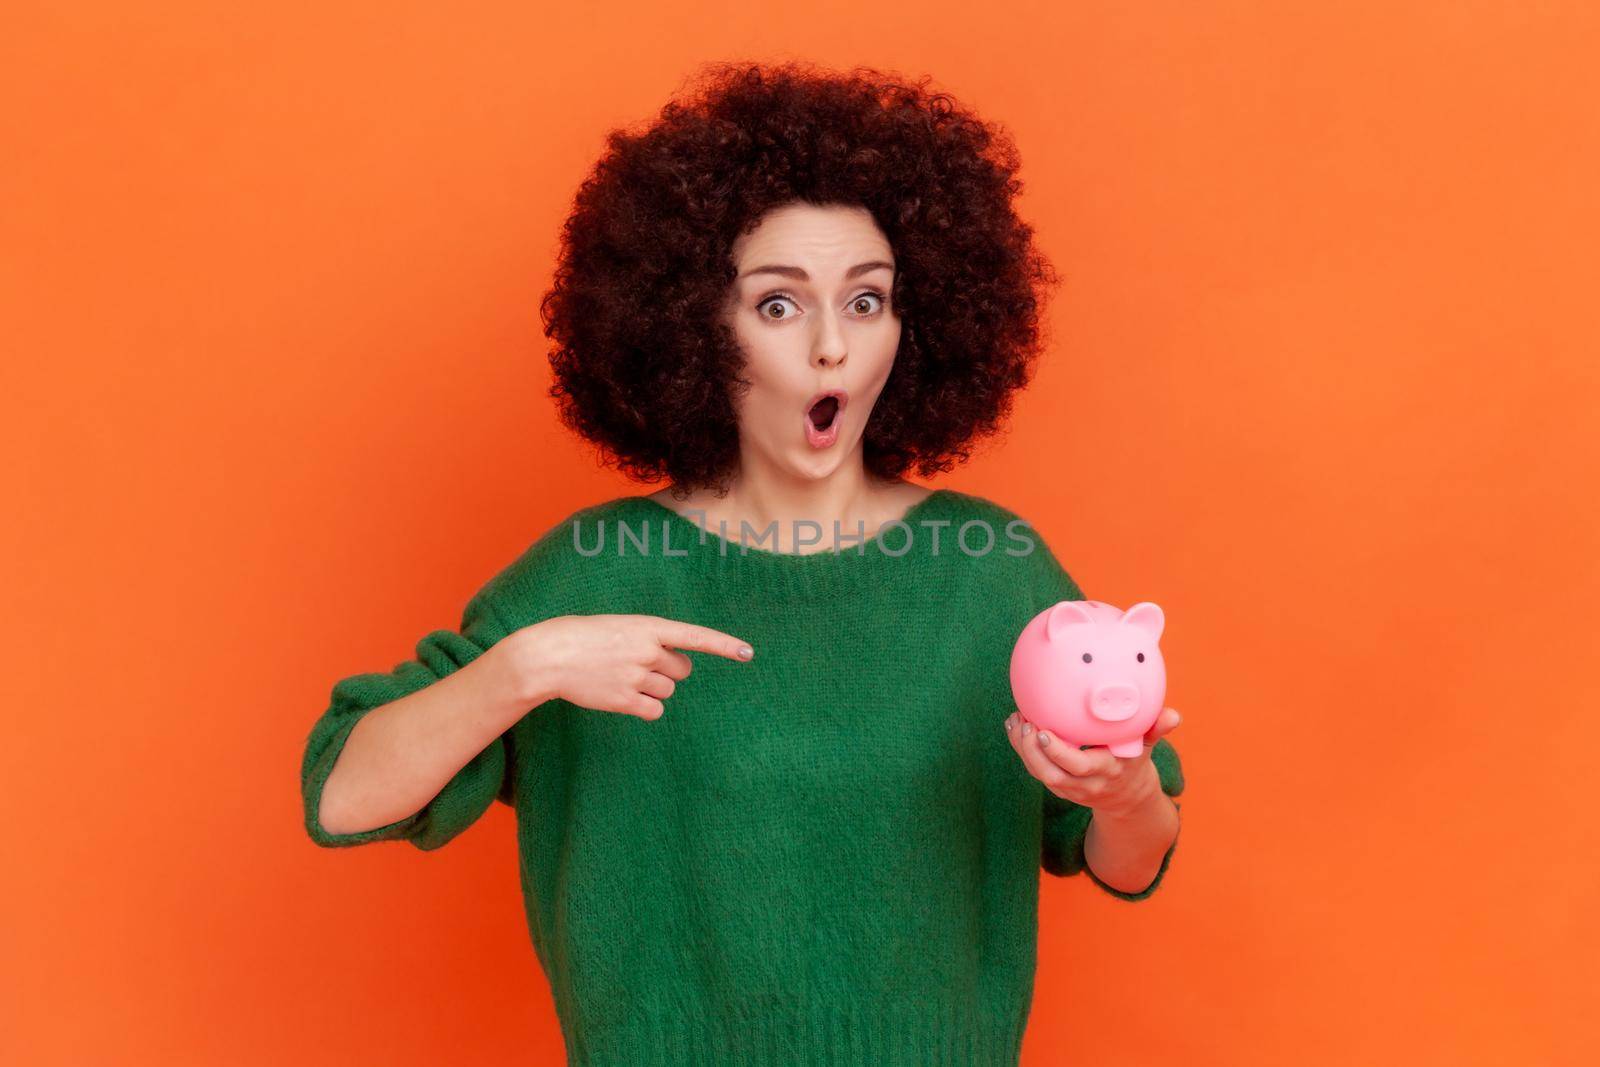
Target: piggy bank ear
1147	617
1066	614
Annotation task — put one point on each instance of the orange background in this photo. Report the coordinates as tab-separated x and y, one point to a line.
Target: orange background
1322	383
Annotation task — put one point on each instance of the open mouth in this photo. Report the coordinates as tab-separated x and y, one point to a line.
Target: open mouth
822	417
823	411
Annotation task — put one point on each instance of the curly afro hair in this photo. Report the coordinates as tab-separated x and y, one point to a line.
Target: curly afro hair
646	368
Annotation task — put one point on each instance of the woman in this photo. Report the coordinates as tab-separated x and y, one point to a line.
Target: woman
820	840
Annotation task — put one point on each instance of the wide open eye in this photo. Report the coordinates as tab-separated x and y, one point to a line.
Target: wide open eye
1141	657
773	299
1088	658
869	295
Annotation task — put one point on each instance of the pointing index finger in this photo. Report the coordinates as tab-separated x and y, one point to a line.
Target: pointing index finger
688	635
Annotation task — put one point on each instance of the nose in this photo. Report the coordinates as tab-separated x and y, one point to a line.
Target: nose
827	359
1114	703
830	351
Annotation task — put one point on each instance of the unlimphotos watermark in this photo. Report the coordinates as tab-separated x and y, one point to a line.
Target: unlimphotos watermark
895	538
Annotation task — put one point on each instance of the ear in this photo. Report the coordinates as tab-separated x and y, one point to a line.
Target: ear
1147	617
1064	615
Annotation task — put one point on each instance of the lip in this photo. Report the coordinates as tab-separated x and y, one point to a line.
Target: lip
824	438
842	394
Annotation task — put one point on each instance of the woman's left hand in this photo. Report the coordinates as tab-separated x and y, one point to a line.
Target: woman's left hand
1091	777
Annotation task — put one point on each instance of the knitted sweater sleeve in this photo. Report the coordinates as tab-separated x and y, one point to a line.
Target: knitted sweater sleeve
466	796
1066	824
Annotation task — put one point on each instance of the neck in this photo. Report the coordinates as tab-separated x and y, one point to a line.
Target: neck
765	497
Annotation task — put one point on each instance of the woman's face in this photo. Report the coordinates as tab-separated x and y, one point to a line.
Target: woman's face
810	307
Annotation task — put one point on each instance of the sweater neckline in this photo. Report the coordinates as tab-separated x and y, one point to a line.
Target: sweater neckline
849	570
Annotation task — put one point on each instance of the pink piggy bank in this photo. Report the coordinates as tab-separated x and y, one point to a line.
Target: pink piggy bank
1091	673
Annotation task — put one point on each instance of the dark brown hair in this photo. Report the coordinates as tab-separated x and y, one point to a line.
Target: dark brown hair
645	367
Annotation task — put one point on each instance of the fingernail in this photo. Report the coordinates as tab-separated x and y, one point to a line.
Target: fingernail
1011	720
1027	727
745	652
1176	718
1044	738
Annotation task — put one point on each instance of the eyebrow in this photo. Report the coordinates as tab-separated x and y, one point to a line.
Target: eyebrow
800	275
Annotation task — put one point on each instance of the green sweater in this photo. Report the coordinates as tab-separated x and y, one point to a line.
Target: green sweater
828	854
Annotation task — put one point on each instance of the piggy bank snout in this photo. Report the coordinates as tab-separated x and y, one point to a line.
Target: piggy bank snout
1114	703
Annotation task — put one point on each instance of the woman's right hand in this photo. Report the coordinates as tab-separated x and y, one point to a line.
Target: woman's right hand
620	663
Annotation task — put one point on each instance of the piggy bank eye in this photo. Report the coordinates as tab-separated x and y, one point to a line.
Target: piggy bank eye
1088	658
1141	657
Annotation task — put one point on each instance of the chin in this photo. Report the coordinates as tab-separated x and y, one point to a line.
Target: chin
820	466
816	470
